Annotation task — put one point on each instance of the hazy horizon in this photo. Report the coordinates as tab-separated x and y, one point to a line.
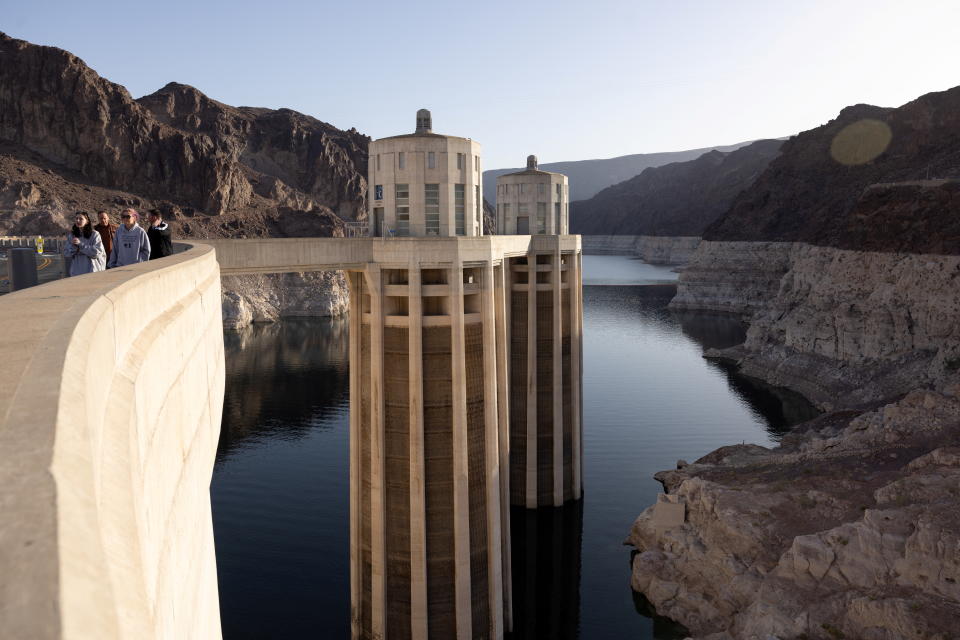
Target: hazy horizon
563	81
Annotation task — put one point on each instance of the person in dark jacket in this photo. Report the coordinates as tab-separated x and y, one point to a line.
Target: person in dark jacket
106	229
161	239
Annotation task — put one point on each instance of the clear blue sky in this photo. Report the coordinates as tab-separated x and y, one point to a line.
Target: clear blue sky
565	80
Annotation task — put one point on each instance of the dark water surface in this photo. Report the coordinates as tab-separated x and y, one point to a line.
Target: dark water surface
280	485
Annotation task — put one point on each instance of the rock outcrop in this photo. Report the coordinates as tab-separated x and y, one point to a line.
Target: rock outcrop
847	530
269	297
678	199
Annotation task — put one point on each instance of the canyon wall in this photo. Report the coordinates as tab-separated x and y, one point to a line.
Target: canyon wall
842	327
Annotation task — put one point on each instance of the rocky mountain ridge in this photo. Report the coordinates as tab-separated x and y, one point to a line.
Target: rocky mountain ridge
677	199
71	139
875	178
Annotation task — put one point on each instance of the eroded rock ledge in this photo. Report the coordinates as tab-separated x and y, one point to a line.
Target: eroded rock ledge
850	528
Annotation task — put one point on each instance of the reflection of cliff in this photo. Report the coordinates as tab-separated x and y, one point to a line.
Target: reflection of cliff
663	628
296	371
546	572
779	407
712	330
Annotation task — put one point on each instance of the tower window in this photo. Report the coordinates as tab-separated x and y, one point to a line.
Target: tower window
431	160
431	210
541	217
401	160
541	189
459	201
403	209
378	162
461	160
476	163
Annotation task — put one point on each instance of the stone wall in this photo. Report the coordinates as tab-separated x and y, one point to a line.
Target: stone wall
111	398
653	249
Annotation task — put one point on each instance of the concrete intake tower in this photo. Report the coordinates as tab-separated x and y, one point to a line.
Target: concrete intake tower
465	366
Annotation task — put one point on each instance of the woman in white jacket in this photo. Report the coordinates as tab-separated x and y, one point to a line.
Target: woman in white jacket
84	247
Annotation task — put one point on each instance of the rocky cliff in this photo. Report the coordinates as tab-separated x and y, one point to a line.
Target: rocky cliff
677	199
845	260
71	140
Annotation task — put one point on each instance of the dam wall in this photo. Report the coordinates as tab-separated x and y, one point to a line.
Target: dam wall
111	394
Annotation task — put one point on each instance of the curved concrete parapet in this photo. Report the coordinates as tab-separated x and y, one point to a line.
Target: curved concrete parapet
111	392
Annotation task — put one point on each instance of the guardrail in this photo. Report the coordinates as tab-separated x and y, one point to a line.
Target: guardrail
51	244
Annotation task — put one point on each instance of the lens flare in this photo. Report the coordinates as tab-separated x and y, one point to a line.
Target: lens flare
861	142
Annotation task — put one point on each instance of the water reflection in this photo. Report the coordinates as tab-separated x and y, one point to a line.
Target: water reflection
546	571
283	378
780	408
280	487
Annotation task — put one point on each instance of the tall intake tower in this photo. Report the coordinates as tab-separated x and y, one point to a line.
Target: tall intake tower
465	394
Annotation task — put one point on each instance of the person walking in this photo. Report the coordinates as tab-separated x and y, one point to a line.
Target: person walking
106	229
130	244
161	239
84	248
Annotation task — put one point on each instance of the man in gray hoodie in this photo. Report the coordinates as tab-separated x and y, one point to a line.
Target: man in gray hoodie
130	243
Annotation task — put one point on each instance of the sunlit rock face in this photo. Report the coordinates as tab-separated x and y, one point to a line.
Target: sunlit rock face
175	150
269	297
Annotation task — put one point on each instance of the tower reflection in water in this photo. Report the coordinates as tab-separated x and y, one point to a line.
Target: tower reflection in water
546	571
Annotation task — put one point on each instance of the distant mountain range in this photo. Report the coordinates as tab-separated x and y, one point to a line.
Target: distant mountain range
676	199
588	177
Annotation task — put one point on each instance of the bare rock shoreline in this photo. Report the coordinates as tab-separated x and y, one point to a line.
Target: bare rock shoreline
851	527
269	297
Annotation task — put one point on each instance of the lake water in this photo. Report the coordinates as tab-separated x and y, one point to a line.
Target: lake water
280	484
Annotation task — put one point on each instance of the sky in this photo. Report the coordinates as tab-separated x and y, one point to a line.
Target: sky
565	80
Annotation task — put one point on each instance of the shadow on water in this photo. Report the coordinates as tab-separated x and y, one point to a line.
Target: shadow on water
780	408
